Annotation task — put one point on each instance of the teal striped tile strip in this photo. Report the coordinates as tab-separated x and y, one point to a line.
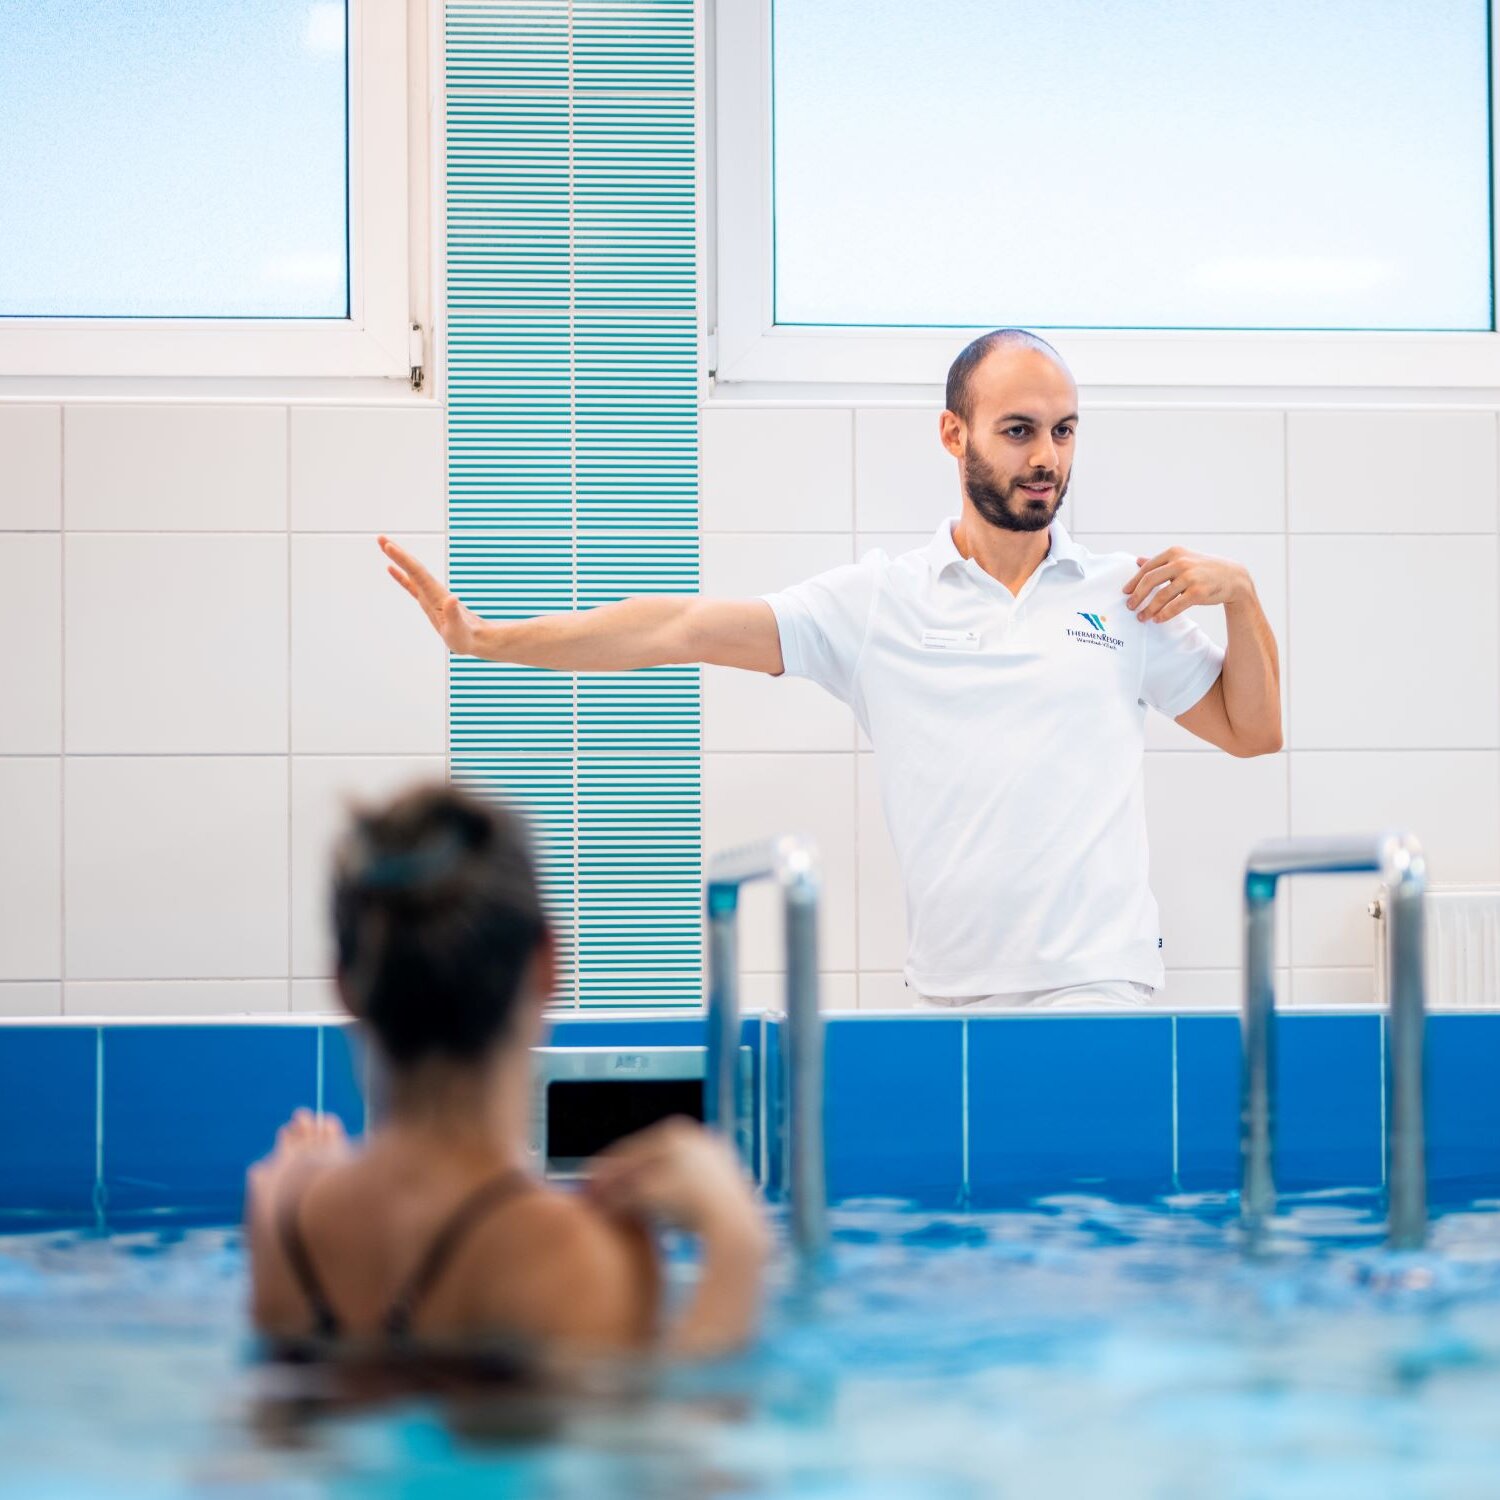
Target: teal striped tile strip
573	454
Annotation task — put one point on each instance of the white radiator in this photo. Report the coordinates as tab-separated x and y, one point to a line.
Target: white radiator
1463	946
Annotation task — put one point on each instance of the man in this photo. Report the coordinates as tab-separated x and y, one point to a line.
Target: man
1002	674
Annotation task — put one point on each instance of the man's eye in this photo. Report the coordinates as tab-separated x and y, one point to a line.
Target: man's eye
1065	432
1016	431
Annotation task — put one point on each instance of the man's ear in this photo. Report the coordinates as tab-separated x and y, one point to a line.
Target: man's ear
544	966
346	998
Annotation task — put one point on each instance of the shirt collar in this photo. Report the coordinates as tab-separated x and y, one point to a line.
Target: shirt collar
942	554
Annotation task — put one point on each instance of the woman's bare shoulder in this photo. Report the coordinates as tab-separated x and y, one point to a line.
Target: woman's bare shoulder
557	1267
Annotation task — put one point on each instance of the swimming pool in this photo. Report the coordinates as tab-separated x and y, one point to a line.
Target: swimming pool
1072	1346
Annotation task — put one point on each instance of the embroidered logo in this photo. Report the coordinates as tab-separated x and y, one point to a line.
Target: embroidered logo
1096	634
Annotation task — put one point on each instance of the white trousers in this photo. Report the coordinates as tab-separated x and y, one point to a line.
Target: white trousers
1101	994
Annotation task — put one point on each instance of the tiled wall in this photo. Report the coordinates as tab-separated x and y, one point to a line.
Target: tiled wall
1372	538
202	655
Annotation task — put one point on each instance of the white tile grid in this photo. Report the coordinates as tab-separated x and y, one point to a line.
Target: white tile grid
175	864
1428	577
1209	808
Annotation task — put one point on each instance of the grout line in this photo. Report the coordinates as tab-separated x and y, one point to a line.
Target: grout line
1384	1137
1176	1132
964	1098
62	713
287	501
99	1128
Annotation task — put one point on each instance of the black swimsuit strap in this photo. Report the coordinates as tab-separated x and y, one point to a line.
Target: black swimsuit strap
325	1319
485	1198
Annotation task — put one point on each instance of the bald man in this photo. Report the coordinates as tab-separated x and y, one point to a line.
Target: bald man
1002	673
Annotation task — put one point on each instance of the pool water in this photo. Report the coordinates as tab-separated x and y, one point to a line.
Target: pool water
1073	1347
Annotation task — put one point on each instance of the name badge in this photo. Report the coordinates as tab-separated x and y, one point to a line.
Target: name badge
950	640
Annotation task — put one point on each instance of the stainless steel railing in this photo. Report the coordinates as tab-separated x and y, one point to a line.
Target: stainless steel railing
792	863
1398	859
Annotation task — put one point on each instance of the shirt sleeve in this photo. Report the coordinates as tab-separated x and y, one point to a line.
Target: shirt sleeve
1182	663
823	621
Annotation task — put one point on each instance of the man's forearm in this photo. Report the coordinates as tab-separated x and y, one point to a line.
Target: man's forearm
641	632
1252	673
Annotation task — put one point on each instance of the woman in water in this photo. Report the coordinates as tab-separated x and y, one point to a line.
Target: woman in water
432	1230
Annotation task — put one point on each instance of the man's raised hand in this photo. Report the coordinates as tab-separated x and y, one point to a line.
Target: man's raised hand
457	625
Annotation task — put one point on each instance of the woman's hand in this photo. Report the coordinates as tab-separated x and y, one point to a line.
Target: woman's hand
676	1173
457	624
304	1138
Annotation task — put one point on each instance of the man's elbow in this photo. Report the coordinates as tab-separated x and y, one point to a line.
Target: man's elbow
1247	748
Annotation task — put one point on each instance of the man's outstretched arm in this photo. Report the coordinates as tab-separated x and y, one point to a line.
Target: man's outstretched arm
649	631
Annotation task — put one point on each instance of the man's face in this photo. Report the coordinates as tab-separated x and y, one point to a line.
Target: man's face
1017	454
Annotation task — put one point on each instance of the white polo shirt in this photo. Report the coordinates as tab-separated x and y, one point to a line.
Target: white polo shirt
1008	735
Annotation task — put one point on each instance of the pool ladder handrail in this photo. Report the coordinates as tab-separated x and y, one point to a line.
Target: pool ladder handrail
1398	858
792	863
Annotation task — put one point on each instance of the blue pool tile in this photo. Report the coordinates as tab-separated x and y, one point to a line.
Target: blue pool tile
1327	1107
1208	1103
893	1108
47	1111
772	1148
1069	1101
188	1108
647	1031
344	1076
1462	1093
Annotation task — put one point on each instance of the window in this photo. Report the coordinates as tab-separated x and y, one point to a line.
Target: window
197	189
1199	190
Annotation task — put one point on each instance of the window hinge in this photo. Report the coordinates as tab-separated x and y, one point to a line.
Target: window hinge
711	353
417	347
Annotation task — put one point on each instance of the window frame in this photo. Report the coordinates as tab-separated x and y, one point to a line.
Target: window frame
373	342
746	346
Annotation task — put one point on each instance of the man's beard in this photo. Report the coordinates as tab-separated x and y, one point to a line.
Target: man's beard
993	500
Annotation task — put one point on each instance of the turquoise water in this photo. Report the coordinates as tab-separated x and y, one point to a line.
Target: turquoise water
1076	1347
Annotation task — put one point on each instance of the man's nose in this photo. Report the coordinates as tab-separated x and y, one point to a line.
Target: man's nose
1044	455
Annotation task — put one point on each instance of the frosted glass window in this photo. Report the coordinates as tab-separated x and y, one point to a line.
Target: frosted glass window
1268	164
173	159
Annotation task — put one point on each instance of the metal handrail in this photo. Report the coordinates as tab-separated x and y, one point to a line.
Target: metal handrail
1398	858
793	864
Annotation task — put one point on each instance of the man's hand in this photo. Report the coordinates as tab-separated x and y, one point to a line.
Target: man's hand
457	624
1182	579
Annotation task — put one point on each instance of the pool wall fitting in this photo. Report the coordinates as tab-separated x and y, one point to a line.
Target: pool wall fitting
140	1121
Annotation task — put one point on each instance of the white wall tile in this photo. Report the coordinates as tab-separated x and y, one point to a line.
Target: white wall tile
31	999
1330	989
1396	643
882	990
175	997
882	904
750	797
767	991
30	868
31	476
368	469
904	479
1449	799
175	467
1391	471
176	644
369	673
316	995
748	710
1185	470
1203	814
777	469
30	643
176	867
1263	554
323	788
1211	989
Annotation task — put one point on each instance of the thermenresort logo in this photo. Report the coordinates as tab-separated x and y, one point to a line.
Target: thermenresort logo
1096	634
